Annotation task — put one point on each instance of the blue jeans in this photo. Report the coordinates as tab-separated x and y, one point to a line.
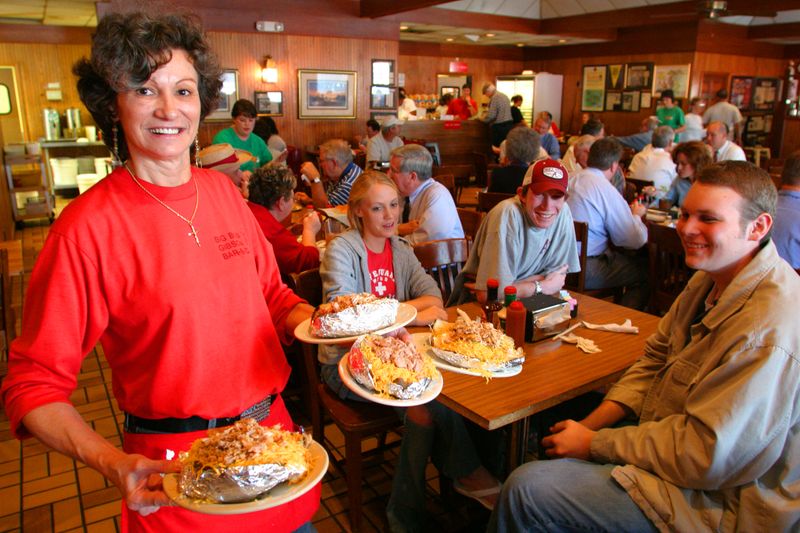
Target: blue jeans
565	495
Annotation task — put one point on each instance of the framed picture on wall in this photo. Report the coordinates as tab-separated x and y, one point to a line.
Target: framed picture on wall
741	93
227	95
675	77
382	72
630	100
615	78
380	115
711	83
594	88
638	76
766	92
269	103
326	94
646	101
613	100
382	97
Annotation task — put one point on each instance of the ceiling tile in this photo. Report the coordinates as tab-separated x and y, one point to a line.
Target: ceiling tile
595	6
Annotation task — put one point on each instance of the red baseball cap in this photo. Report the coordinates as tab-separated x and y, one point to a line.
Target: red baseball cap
546	175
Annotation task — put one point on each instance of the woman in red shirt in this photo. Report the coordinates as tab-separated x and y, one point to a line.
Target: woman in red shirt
271	198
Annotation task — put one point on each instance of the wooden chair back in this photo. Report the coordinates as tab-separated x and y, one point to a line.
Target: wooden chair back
487	200
443	260
470	221
668	272
480	160
449	181
462	175
294	159
356	420
577	280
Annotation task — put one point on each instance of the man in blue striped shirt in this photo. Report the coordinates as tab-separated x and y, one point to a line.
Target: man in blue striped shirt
338	174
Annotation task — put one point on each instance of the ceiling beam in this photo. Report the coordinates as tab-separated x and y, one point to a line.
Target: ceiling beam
382	8
465	19
773	31
623	18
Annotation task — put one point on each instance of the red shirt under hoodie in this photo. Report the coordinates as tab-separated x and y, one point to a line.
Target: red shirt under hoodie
187	330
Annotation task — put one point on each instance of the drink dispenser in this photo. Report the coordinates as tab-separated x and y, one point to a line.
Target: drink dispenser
72	122
52	124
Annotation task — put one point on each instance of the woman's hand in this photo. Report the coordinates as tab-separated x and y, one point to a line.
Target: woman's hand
311	226
139	480
302	197
428	316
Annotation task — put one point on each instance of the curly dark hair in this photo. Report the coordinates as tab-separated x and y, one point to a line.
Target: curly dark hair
270	184
126	49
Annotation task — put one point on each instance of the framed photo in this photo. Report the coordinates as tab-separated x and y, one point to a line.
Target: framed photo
615	78
455	91
594	88
646	101
711	83
269	103
227	95
638	76
675	77
381	97
630	101
379	115
326	94
382	72
766	92
613	100
741	92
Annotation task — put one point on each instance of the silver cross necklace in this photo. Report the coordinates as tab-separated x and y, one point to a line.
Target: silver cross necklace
189	220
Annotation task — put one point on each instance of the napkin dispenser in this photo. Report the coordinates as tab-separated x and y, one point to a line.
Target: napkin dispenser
546	316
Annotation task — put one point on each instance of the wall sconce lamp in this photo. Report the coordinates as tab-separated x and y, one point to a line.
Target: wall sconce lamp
269	72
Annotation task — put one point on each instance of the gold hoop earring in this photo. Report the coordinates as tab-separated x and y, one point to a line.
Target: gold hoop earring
197	153
115	152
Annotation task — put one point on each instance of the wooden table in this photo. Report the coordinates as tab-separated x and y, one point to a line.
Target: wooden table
14	249
553	372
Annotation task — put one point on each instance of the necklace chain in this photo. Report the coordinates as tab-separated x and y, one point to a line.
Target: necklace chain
189	220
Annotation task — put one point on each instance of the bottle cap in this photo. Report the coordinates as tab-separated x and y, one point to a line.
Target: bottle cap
516	304
510	289
492	283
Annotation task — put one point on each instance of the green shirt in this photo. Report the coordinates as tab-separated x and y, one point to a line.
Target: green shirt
254	144
672	117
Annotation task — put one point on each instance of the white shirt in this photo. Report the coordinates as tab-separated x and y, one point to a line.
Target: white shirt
433	206
694	128
656	165
407	110
380	150
730	152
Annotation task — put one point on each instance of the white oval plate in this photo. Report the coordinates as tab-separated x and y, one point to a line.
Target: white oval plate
422	342
350	382
279	495
405	314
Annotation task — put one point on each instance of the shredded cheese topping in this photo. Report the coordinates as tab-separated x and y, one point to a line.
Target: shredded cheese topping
475	339
393	361
247	443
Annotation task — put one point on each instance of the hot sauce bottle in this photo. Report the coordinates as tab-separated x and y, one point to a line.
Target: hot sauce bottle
492	306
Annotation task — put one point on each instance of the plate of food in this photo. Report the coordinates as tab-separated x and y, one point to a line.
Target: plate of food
474	347
347	317
245	468
388	371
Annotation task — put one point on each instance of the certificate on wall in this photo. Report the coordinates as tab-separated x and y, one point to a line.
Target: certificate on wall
594	88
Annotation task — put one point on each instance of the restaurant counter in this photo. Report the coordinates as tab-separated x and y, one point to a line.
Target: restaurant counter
457	139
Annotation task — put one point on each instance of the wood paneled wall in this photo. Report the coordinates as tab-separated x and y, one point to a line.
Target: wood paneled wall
291	52
37	65
421	71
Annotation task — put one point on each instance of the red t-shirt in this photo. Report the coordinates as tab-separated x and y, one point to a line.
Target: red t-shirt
381	272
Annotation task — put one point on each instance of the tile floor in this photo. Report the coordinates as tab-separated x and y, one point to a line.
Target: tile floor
42	490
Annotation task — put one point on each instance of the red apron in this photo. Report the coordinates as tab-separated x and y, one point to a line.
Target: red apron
284	518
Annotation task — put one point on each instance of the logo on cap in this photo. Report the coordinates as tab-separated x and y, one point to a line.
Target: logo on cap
553	172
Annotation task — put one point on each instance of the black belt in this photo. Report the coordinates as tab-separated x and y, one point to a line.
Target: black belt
135	424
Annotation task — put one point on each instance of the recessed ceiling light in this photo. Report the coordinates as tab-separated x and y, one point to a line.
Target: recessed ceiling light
449	39
403	28
490	34
520	44
562	40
